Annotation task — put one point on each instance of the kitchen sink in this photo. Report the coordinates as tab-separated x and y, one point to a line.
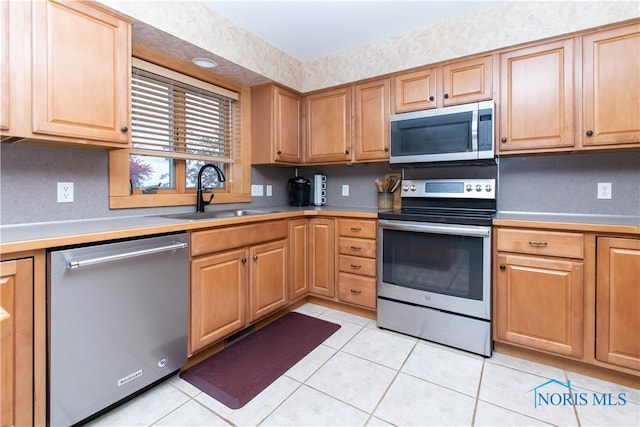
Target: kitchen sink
230	213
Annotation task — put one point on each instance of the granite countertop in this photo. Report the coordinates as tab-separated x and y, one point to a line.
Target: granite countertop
569	218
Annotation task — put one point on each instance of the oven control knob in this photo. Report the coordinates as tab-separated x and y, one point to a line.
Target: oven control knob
488	187
405	188
412	188
469	187
478	187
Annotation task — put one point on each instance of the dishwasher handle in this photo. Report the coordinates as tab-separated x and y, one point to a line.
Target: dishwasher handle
74	264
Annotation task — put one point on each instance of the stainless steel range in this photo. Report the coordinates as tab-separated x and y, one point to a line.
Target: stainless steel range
434	274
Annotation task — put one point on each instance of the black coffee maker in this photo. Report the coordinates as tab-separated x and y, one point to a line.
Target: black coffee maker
299	191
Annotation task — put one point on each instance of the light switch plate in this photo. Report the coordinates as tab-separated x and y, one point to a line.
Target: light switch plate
257	190
269	190
345	189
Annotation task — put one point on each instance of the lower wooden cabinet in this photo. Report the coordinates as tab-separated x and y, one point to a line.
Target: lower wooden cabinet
357	262
539	303
243	278
16	343
322	256
617	299
299	258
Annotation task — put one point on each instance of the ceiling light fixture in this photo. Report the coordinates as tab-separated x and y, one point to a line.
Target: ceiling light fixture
204	62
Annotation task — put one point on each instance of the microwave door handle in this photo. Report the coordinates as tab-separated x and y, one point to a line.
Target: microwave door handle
474	131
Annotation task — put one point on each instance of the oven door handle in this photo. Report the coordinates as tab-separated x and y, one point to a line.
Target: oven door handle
458	230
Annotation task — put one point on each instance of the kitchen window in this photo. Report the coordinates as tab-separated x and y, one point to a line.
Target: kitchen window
178	123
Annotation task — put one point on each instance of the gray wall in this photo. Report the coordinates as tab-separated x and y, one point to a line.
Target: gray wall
567	183
29	176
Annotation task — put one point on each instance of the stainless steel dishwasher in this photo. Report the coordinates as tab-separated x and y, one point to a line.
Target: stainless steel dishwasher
117	320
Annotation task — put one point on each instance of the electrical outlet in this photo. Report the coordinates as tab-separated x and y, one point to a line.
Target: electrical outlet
604	190
65	192
256	190
269	190
345	189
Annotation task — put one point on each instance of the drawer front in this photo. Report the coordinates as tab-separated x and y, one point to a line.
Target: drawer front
551	243
357	247
362	228
218	239
358	290
358	265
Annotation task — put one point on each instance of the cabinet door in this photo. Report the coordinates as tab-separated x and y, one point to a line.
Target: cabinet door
467	81
4	65
16	345
287	126
268	279
536	101
81	72
323	252
539	303
618	294
218	297
328	126
298	258
611	73
372	106
415	91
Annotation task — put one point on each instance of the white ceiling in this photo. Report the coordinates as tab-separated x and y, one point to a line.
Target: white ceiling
308	29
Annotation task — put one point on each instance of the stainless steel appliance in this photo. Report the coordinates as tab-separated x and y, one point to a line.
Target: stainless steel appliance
118	322
434	274
299	191
449	134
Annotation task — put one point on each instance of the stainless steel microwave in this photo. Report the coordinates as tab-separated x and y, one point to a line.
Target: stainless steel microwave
458	133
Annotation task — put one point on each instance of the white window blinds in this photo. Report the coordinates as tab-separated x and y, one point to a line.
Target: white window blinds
182	119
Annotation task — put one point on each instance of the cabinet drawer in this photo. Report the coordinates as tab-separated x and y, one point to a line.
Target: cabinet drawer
357	228
358	265
551	243
358	247
358	290
217	239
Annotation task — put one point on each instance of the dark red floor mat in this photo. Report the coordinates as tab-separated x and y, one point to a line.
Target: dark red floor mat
238	373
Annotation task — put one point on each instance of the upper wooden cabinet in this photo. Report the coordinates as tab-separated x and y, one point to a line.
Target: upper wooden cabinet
81	69
536	102
275	126
4	66
69	79
328	126
611	88
617	296
454	83
415	90
371	106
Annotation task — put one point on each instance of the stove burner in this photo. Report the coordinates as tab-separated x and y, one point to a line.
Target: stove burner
441	215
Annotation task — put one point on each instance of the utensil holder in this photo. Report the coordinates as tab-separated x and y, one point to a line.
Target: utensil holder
385	200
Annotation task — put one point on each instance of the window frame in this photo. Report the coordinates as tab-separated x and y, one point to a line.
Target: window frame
238	180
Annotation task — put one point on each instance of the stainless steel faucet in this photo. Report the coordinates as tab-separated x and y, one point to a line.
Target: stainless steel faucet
201	203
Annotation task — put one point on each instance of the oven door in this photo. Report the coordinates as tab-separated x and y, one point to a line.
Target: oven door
441	266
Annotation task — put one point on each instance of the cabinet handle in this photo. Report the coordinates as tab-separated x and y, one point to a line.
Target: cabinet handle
356	228
503	267
346	151
243	260
504	139
124	129
589	133
255	257
279	152
356	292
386	149
534	243
356	266
355	248
431	98
446	96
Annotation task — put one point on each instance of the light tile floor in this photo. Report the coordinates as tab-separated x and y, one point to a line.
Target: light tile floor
362	375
